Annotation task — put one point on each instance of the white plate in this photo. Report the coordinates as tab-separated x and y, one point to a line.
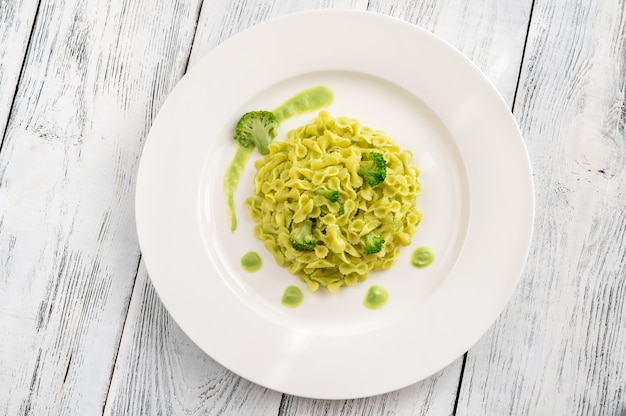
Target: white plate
477	200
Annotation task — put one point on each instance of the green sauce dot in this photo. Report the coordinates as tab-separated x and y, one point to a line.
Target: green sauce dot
251	261
376	297
422	257
292	297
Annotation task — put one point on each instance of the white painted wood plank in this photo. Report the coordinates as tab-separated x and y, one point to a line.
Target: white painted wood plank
96	73
560	348
16	21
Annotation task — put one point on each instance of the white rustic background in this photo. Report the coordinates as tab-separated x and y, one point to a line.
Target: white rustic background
82	330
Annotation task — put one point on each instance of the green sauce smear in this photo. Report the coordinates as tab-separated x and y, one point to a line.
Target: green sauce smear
292	297
422	257
305	101
376	297
251	261
231	180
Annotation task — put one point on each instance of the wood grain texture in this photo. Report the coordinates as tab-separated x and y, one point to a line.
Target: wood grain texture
68	251
560	347
489	32
16	21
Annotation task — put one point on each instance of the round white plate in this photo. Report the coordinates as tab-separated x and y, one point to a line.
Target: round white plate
477	201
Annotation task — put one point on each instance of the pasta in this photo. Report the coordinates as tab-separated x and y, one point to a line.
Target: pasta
326	154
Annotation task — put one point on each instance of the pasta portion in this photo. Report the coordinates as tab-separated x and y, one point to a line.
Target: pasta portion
316	214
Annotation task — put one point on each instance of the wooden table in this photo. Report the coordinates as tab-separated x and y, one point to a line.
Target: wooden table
83	332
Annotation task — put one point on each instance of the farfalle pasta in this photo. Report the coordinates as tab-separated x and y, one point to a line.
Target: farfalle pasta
291	192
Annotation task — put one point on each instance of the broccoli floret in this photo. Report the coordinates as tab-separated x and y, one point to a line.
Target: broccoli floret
373	243
257	128
302	238
373	169
331	194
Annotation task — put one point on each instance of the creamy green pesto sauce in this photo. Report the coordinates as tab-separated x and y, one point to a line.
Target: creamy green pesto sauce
376	297
292	297
251	261
422	257
231	180
308	100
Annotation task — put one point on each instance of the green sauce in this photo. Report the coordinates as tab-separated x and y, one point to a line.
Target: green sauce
308	100
376	297
233	174
292	297
251	261
305	101
422	257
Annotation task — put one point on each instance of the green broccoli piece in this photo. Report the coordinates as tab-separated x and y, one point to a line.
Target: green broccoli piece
331	194
302	238
373	169
373	243
257	128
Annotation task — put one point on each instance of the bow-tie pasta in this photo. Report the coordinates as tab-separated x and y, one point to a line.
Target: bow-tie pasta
335	201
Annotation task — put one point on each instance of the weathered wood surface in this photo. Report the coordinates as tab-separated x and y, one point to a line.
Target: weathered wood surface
16	22
84	332
94	76
560	347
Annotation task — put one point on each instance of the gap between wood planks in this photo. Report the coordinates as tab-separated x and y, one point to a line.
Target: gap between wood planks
119	341
19	78
458	389
521	64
